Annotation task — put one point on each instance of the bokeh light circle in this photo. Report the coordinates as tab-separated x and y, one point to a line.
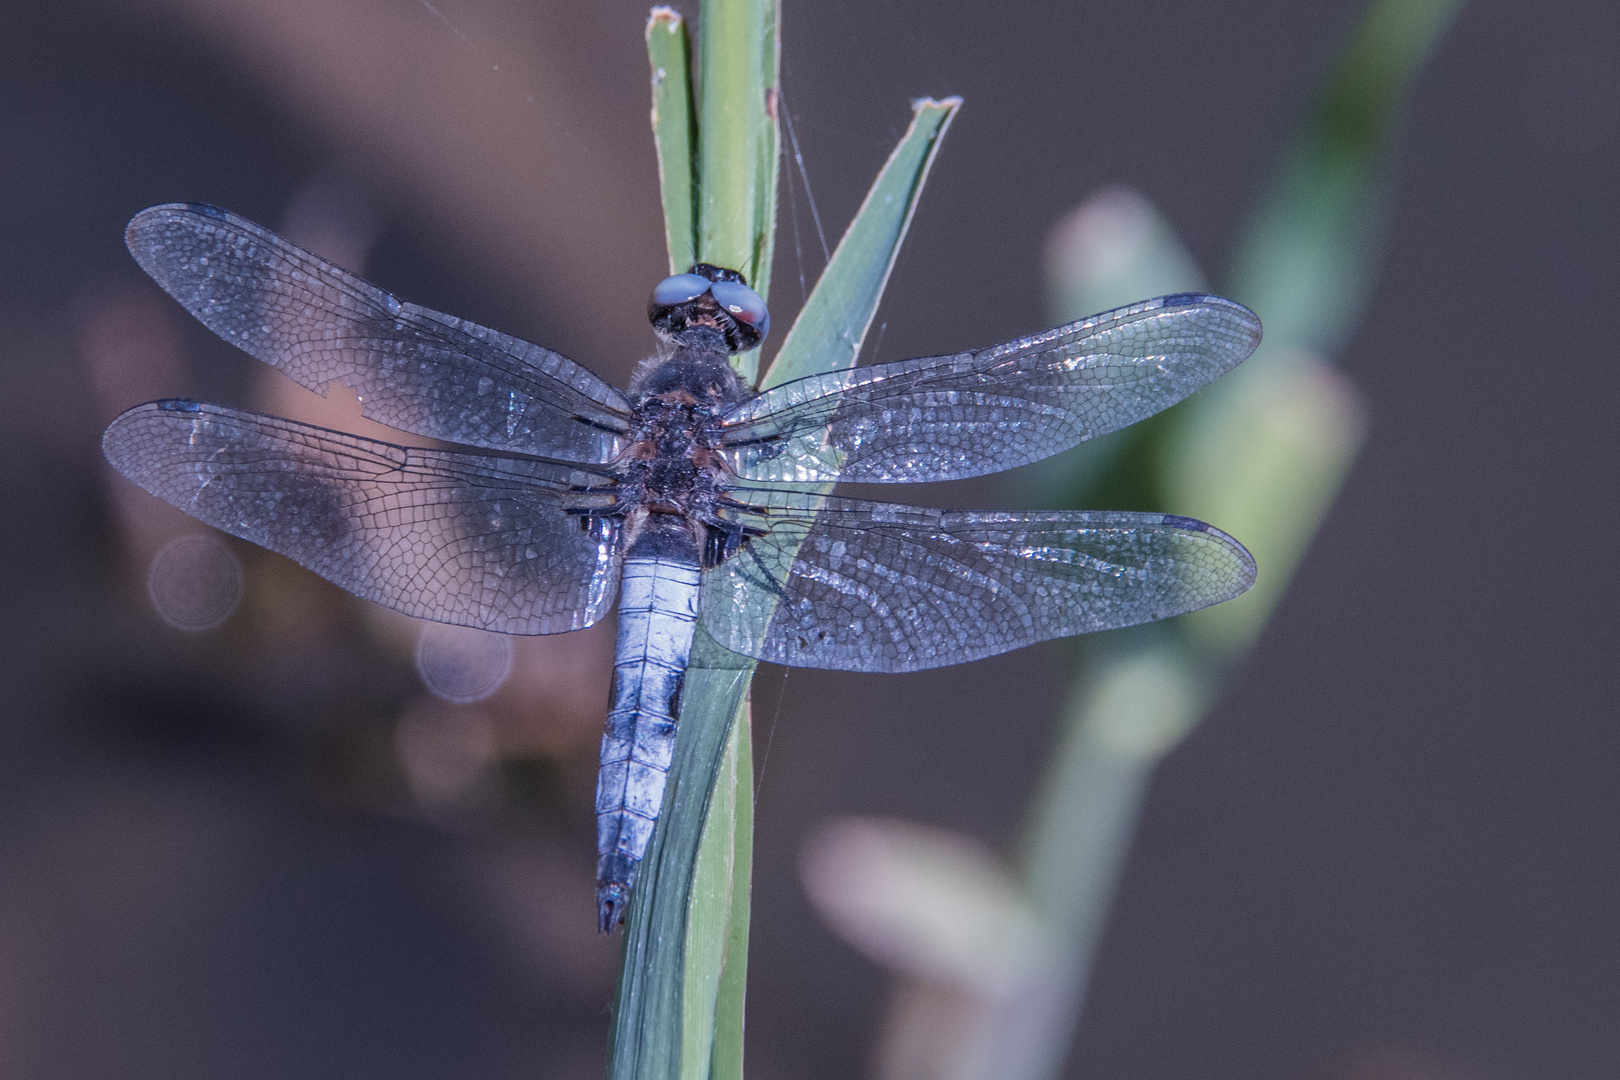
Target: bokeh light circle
195	582
461	664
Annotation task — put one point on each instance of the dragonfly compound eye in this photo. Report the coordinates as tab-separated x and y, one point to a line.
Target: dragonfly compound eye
743	304
679	289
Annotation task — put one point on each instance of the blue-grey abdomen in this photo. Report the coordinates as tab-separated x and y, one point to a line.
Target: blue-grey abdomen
658	603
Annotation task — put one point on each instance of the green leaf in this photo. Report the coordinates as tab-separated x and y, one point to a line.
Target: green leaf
650	1017
828	333
678	1009
674	124
718	924
850	289
738	144
727	1060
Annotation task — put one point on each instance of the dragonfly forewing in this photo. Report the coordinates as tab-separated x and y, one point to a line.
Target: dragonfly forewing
414	369
971	413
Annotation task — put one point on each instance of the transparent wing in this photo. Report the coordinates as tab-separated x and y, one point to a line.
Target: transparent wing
414	369
948	417
866	586
459	538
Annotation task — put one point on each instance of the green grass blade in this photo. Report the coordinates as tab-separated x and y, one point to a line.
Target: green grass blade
674	124
679	1007
739	158
717	927
731	111
855	277
737	60
719	897
678	1010
828	333
649	1016
726	1062
768	151
713	917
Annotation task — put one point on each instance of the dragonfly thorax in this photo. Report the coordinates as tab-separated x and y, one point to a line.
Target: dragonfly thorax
672	469
696	373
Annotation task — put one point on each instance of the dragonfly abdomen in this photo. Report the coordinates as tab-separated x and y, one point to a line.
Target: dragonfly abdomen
658	599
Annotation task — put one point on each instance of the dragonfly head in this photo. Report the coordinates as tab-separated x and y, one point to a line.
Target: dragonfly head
709	300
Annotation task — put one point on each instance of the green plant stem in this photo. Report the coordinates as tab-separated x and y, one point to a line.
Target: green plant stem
674	124
731	994
1142	693
679	1005
715	894
650	1018
738	144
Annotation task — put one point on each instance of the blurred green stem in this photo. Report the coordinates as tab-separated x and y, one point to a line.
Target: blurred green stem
1260	454
1307	254
1141	696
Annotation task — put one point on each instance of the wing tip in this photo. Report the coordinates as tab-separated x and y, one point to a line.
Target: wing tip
143	234
1247	568
178	209
1199	299
119	450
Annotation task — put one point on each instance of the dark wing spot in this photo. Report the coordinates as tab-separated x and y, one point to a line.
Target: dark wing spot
206	210
1190	524
1184	299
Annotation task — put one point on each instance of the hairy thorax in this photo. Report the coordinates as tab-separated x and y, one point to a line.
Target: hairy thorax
670	472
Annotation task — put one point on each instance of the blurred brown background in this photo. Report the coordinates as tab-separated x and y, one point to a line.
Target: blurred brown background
265	851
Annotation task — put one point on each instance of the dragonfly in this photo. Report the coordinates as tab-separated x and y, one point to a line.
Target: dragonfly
690	497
